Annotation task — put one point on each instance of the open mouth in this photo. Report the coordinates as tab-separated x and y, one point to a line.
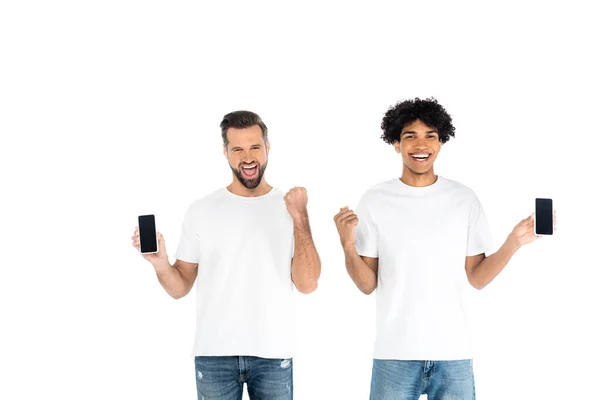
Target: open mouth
250	171
420	158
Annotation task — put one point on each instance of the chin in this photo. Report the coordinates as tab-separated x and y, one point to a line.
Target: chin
420	171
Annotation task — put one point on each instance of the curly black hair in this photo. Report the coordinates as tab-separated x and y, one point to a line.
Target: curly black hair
408	111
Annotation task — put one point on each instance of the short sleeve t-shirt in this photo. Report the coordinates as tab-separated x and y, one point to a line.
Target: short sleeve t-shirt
244	292
421	236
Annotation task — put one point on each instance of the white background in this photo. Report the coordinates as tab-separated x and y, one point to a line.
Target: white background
111	109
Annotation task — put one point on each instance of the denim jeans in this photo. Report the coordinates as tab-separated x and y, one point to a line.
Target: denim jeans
408	380
222	378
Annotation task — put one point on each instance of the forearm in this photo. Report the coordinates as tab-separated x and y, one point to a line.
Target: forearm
172	281
362	275
306	265
491	266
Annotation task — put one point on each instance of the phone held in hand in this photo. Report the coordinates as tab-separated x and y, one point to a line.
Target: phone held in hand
544	217
148	239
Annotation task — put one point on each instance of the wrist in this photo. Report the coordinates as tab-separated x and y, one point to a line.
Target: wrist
162	266
300	218
349	246
512	242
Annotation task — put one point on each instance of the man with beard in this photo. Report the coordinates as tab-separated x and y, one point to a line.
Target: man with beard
246	246
421	240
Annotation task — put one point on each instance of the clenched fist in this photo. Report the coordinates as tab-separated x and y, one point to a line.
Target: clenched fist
345	221
295	201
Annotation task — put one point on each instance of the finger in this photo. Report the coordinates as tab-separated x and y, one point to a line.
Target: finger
161	242
340	213
346	213
527	220
349	216
349	220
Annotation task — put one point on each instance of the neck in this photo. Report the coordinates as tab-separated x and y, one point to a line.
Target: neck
236	187
418	180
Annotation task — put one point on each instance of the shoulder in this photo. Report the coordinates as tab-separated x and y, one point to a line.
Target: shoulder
201	204
276	192
381	188
374	193
460	188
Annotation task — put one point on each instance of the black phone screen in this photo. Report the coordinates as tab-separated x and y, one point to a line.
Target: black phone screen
147	233
544	224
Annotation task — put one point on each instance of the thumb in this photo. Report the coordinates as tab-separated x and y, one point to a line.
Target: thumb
161	243
527	220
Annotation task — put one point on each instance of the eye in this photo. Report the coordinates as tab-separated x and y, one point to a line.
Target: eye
409	137
430	136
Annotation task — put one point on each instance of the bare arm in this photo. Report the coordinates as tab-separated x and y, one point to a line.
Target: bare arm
176	279
306	264
362	270
482	270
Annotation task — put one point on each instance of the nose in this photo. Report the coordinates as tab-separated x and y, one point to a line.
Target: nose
421	145
247	158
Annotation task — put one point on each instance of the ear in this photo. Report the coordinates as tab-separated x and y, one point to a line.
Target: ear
397	146
225	151
268	146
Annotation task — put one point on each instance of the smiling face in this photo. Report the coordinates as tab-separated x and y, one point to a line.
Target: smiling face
247	154
419	146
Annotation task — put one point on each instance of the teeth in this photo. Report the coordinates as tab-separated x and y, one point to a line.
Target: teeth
254	166
420	155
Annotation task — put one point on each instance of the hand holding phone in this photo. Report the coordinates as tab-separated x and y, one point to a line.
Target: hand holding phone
540	223
149	242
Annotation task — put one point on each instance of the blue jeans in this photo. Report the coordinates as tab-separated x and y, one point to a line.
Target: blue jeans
222	378
408	380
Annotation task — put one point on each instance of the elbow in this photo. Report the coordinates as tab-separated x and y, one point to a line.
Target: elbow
180	294
307	287
477	284
368	290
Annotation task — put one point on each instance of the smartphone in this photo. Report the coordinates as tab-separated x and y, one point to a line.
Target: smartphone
544	217
148	239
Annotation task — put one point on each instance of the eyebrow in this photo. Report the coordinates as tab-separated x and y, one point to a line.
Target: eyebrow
414	132
252	145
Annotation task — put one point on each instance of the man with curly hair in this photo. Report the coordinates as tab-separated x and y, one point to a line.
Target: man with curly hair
421	240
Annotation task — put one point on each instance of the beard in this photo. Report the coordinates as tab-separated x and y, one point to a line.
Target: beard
251	183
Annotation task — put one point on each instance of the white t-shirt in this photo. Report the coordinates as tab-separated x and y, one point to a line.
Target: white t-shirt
244	289
421	236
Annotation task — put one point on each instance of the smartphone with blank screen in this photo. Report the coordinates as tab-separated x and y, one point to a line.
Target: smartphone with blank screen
148	239
544	217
